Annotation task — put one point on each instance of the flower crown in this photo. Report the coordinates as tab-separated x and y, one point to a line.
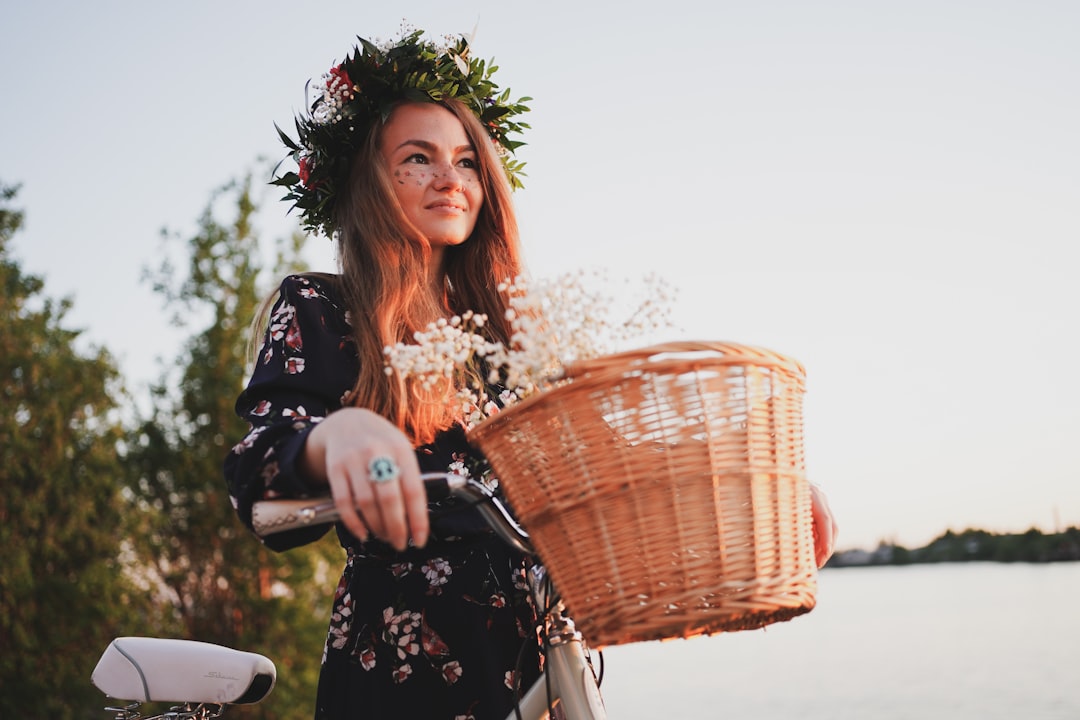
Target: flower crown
363	89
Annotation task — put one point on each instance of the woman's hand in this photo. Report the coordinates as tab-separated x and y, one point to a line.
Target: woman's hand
825	528
339	452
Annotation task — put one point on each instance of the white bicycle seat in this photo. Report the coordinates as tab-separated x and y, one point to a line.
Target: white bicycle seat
167	670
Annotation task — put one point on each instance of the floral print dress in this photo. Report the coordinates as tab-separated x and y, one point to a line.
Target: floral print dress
437	632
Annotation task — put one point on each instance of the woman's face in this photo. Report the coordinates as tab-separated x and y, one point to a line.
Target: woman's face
434	170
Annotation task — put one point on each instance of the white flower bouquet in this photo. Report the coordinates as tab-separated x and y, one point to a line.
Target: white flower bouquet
555	322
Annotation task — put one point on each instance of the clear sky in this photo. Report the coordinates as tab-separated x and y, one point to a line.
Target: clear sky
887	191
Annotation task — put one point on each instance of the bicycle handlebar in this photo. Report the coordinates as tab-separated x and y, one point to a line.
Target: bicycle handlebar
269	517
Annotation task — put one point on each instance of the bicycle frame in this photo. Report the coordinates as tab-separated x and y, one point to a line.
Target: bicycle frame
568	687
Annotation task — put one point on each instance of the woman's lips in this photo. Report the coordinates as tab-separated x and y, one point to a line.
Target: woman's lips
447	206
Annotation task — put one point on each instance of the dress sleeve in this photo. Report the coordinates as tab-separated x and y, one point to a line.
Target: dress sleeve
306	365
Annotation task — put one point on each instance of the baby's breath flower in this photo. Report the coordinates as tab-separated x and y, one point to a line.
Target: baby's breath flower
552	323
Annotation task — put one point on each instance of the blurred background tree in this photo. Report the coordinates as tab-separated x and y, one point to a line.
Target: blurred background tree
64	592
115	520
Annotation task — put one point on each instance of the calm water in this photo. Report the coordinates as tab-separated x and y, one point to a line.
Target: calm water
968	641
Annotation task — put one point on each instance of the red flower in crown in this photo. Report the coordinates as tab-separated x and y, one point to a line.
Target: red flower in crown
305	170
338	76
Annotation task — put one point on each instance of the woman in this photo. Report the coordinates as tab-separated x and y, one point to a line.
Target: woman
419	202
399	160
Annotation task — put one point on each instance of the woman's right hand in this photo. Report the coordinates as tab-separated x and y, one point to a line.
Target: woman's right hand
339	452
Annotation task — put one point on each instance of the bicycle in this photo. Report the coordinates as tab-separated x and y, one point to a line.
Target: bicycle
179	671
690	498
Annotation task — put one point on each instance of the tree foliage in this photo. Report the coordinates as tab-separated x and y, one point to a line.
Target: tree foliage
63	590
973	545
221	584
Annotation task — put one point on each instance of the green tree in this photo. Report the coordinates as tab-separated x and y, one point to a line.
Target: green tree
901	555
222	584
64	593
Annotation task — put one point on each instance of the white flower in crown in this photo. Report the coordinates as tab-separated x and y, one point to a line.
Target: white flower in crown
336	92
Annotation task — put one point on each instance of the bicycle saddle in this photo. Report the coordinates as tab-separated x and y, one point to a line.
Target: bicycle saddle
168	670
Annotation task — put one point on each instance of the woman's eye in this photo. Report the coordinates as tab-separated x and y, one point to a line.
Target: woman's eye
417	158
468	163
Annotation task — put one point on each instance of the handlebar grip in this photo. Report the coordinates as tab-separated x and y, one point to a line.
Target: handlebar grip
275	516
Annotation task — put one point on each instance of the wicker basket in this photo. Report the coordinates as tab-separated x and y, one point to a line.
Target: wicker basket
665	490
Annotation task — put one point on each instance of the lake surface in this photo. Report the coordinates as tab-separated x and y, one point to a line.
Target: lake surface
969	641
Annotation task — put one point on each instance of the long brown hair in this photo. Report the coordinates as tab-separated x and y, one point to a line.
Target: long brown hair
385	276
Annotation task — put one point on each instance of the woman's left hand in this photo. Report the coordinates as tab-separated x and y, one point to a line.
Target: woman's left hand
825	527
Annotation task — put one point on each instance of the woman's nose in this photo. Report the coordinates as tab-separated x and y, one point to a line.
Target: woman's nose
447	177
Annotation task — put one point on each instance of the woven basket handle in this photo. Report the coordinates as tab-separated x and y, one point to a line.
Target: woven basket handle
717	352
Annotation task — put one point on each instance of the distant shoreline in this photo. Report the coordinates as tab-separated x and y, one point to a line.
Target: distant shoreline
1033	546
